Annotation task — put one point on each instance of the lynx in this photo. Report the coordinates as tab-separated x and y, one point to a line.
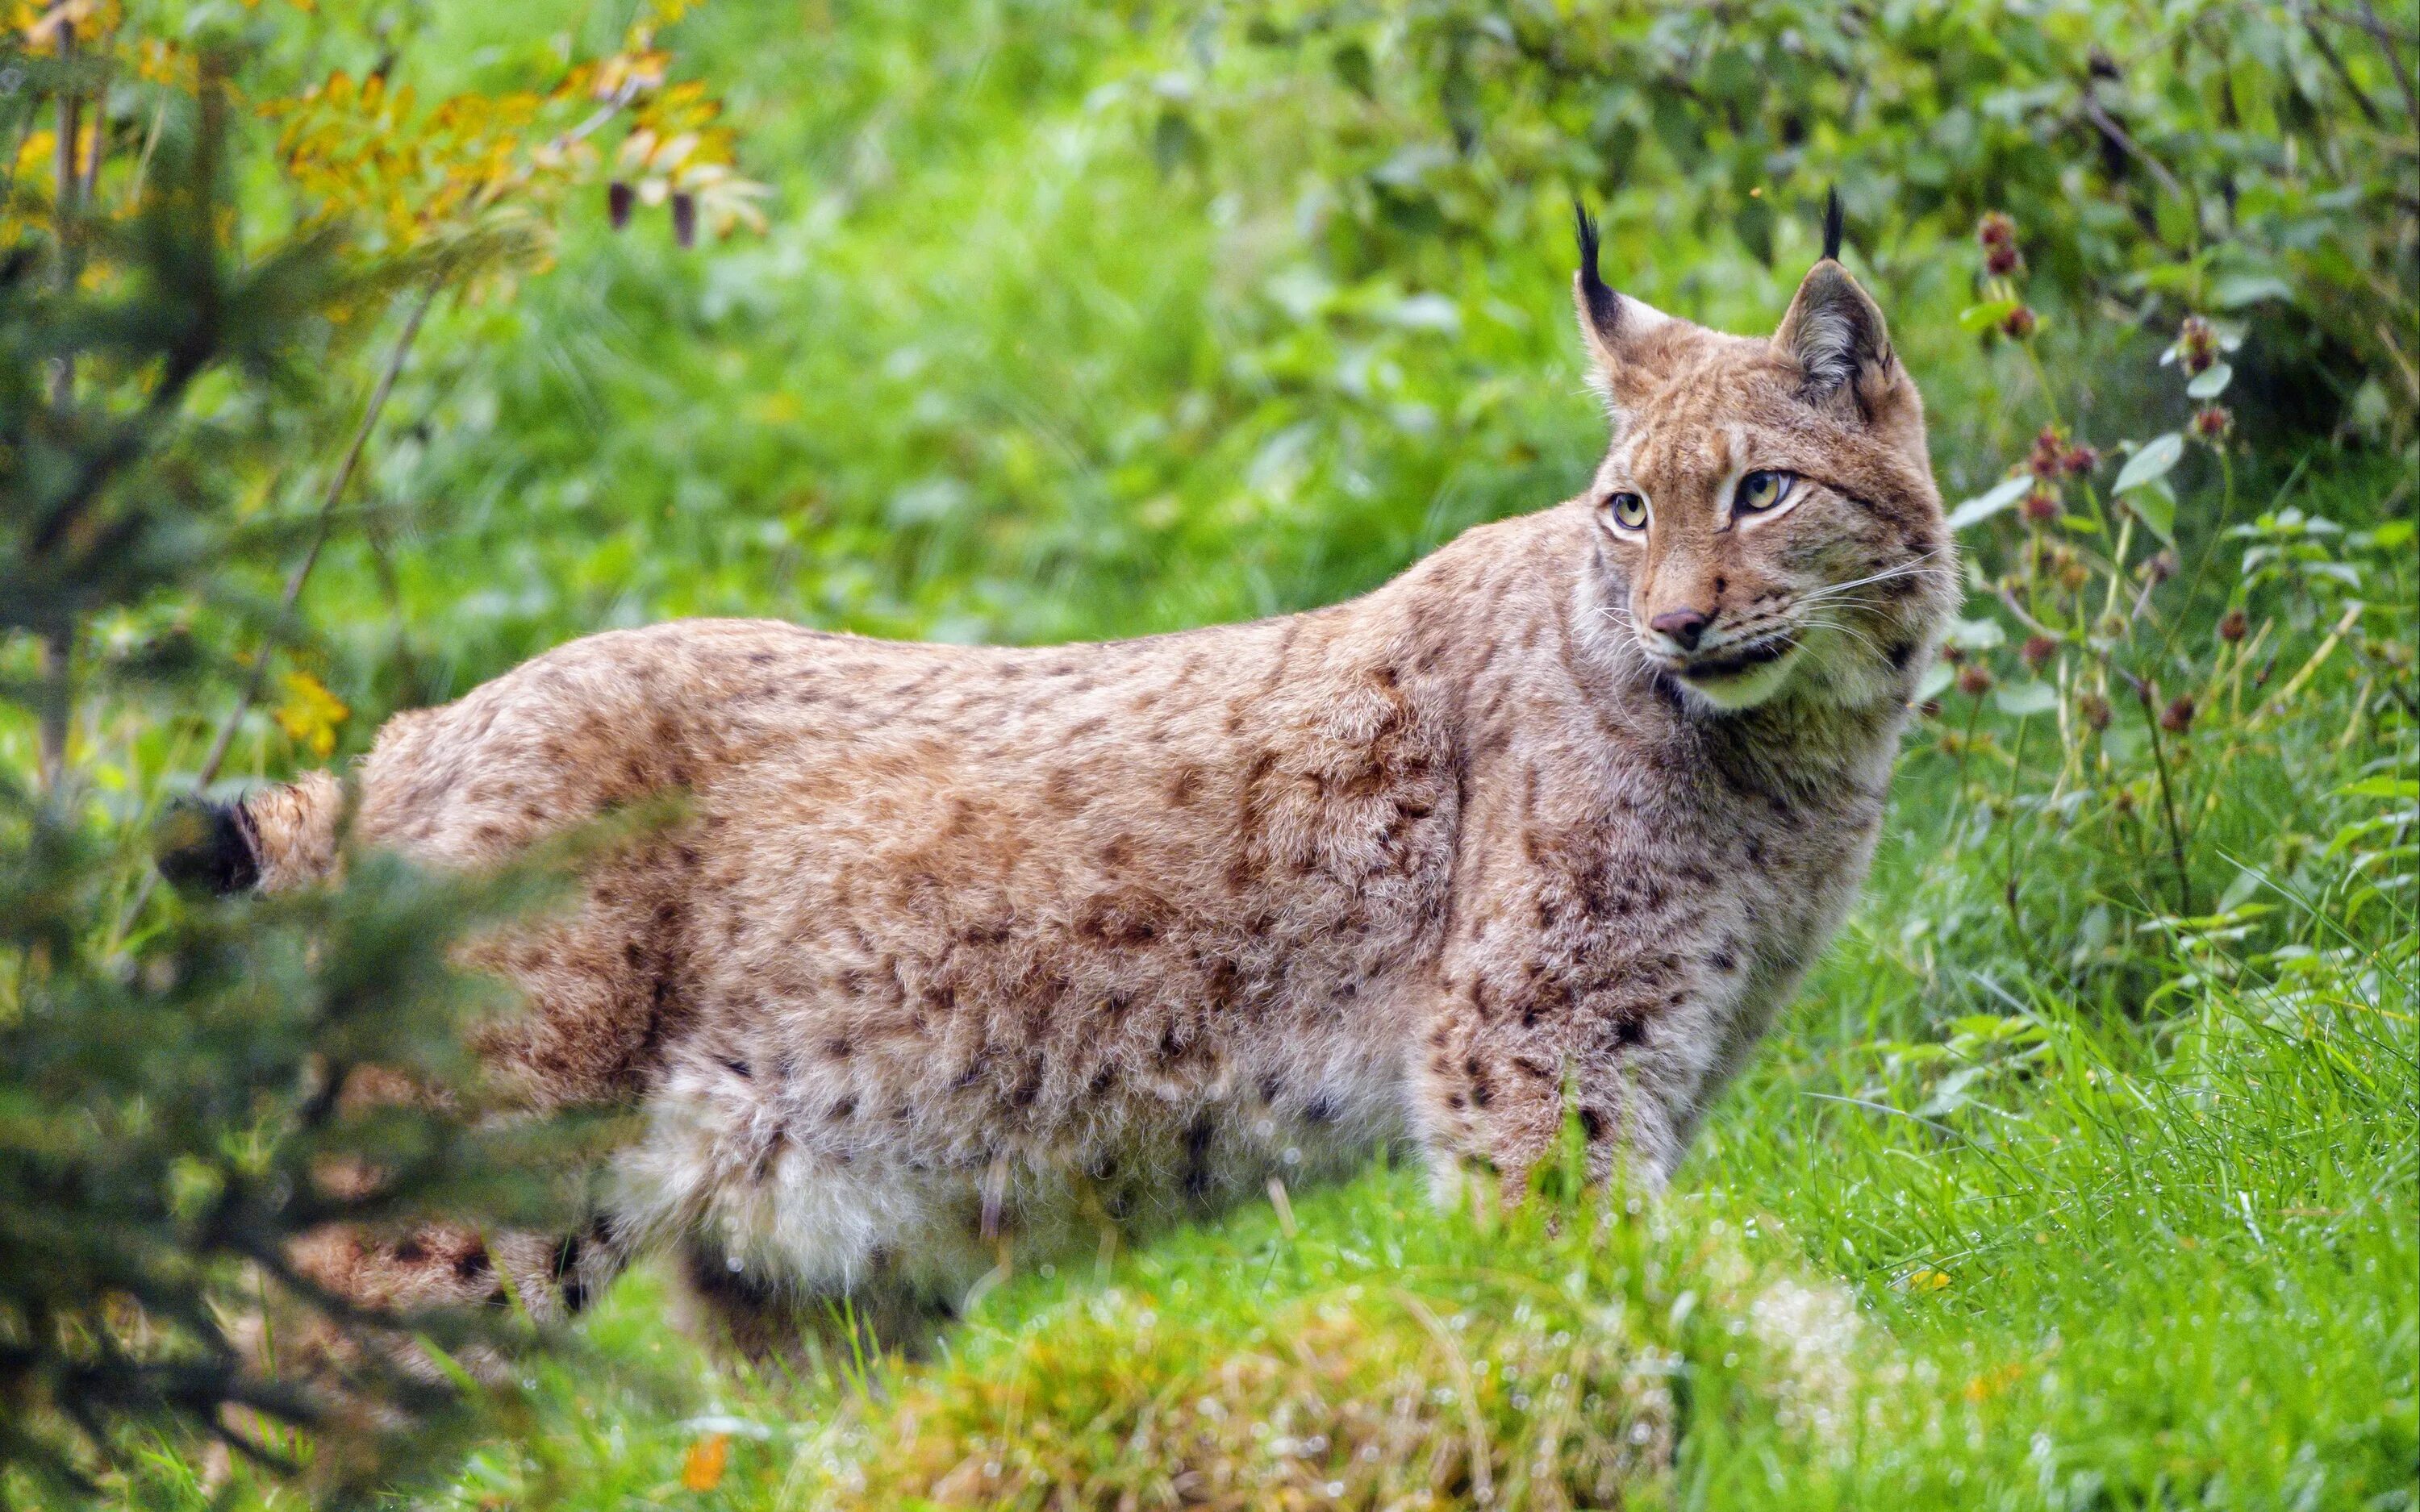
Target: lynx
955	947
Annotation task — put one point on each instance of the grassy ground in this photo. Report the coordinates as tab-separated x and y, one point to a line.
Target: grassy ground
2052	1190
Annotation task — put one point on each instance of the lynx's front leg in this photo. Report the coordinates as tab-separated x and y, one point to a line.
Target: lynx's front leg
1577	969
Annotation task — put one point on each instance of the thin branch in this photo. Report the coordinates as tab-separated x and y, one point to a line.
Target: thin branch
335	495
328	502
2390	42
59	641
2117	137
2334	60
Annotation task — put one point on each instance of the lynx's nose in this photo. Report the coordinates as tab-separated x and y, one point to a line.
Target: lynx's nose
1682	625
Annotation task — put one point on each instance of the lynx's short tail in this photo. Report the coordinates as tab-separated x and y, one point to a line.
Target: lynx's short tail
271	840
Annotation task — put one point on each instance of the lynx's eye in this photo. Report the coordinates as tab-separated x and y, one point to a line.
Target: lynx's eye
1629	510
1760	491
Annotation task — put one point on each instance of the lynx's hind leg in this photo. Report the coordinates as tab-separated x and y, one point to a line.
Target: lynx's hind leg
765	1319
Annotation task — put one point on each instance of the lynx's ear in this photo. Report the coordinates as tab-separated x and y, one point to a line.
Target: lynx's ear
1833	332
1611	324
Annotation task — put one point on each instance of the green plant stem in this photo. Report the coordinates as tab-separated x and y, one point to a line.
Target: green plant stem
2168	801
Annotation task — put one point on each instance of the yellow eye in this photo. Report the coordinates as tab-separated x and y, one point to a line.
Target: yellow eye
1759	491
1629	510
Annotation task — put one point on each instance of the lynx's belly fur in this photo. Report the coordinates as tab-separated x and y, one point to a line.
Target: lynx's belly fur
956	951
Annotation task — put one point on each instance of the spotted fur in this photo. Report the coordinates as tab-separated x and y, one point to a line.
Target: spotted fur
957	948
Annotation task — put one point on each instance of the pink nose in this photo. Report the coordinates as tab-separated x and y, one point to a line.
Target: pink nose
1682	625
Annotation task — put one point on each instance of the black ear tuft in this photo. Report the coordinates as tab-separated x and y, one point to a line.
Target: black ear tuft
1603	305
1831	223
208	847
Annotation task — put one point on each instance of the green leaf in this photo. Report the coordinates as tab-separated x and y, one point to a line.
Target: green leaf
2018	699
2155	506
2210	384
1975	635
1352	63
2405	788
2151	462
1935	678
1999	497
2236	290
1753	220
1985	316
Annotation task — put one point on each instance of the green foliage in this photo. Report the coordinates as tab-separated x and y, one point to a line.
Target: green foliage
175	1104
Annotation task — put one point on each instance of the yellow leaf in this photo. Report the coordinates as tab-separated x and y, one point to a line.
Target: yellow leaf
311	714
702	1467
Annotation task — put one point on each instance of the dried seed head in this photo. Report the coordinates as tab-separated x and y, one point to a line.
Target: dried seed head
2049	454
2197	346
2232	624
2019	323
2094	709
2178	716
2038	650
1974	681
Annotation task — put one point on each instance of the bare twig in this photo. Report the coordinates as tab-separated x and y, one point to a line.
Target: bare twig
335	495
59	641
2390	41
2118	137
2334	60
328	502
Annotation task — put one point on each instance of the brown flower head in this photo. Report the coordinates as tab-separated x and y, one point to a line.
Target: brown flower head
2019	323
2040	504
2049	454
2080	459
2232	624
2003	260
2197	346
1996	230
2178	716
1974	681
2095	710
2211	423
2038	650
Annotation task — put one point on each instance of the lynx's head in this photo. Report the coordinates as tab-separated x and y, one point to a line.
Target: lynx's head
1768	506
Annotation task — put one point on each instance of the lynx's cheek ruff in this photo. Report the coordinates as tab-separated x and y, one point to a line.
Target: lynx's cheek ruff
951	953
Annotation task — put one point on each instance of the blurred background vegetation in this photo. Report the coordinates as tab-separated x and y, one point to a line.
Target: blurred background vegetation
1027	320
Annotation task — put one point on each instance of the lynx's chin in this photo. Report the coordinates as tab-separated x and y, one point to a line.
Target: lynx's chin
1741	677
